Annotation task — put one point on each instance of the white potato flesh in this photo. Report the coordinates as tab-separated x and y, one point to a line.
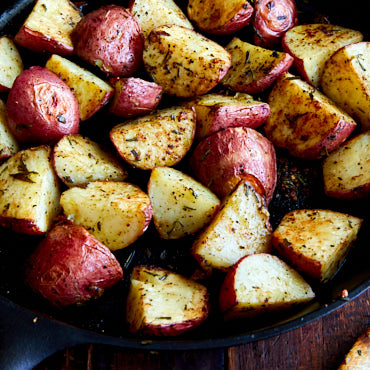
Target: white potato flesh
181	205
160	139
92	93
316	241
241	227
346	171
116	213
8	144
184	62
29	191
11	64
154	13
346	80
78	160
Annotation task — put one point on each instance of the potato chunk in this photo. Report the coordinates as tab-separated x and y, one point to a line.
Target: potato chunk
316	241
8	144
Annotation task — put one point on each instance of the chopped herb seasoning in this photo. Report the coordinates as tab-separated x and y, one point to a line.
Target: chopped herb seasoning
61	118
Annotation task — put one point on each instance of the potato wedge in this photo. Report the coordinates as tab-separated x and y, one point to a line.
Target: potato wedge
312	45
8	144
160	139
70	266
241	227
116	213
48	27
303	120
92	93
253	68
221	160
316	241
181	205
161	302
11	64
78	160
215	112
154	13
29	191
220	17
346	171
184	62
346	80
261	283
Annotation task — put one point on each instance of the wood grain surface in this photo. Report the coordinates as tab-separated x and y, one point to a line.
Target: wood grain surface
321	344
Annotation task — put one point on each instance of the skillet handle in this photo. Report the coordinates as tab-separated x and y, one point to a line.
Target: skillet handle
27	338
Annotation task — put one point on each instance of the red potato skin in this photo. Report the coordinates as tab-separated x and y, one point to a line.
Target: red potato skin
272	19
359	192
134	97
41	107
227	295
224	158
70	266
113	36
20	226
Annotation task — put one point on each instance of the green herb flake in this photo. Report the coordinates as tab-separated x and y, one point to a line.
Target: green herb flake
61	118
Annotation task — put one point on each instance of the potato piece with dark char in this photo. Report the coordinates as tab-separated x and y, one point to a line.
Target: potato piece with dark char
261	283
163	303
70	266
184	62
316	241
8	144
303	120
220	17
159	139
253	68
346	171
111	39
222	159
134	97
48	27
78	160
41	107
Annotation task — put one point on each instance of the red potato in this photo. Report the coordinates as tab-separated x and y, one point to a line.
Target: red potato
8	145
134	97
70	266
49	26
41	107
111	39
224	158
220	17
272	19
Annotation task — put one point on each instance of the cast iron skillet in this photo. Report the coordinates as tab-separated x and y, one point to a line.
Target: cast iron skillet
31	330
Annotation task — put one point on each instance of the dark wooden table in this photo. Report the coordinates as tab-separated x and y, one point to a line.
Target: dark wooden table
321	344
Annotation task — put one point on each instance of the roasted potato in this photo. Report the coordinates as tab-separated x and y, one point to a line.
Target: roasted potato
222	159
29	191
11	64
78	160
346	171
8	144
111	39
41	107
181	205
346	80
215	112
312	45
161	302
261	283
241	227
48	27
154	13
315	241
220	17
134	97
253	68
272	19
92	93
160	139
184	62
303	120
116	213
70	266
